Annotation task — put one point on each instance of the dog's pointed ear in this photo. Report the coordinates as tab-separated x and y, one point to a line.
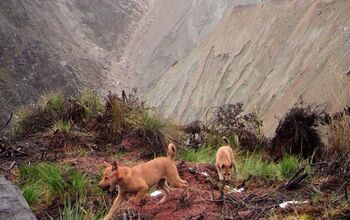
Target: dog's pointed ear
114	165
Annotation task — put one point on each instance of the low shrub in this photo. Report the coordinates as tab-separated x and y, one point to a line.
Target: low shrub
297	132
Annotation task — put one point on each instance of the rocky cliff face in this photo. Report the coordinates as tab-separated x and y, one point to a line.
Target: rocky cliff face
270	56
70	45
64	45
169	31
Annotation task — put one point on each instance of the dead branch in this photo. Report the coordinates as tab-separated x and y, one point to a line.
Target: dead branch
295	180
7	123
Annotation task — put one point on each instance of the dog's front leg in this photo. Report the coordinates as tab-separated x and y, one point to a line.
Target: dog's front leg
140	194
221	177
120	198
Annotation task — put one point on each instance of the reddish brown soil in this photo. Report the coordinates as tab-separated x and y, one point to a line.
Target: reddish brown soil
200	188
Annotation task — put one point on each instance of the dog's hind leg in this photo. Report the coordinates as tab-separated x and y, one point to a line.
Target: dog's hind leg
163	186
167	186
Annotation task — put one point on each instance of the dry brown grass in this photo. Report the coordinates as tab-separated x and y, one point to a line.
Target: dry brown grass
339	134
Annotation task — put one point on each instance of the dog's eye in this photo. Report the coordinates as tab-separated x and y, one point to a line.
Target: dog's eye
230	166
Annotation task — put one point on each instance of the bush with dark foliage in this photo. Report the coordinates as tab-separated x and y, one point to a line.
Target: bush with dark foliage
229	119
297	132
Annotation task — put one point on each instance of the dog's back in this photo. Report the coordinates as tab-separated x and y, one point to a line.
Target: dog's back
160	167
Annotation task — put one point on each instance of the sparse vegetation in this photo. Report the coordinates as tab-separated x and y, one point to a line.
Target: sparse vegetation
92	103
202	155
338	133
125	125
157	131
62	126
52	101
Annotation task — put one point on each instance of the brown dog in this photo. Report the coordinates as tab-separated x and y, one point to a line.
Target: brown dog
225	161
138	179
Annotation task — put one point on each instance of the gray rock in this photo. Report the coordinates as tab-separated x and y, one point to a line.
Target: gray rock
12	204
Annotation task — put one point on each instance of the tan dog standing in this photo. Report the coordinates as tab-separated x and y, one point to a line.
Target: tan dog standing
138	179
225	161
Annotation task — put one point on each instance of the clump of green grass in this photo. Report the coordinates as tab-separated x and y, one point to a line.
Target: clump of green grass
256	166
91	102
78	183
158	131
202	155
21	119
71	211
52	176
54	180
76	211
52	101
31	193
288	166
62	126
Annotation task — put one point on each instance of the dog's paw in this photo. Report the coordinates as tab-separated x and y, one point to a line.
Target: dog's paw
137	202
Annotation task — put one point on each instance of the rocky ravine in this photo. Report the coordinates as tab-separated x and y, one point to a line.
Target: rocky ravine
105	45
169	31
270	56
61	45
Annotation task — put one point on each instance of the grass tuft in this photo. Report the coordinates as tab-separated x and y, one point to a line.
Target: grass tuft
31	193
62	126
91	102
71	211
158	131
288	166
78	183
54	180
52	101
256	166
338	134
202	155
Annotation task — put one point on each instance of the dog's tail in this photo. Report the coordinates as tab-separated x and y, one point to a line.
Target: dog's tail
171	151
226	140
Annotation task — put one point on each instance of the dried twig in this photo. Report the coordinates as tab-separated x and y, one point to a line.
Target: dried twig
7	123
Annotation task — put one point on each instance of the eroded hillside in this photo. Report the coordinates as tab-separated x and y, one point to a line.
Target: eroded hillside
105	45
270	56
61	45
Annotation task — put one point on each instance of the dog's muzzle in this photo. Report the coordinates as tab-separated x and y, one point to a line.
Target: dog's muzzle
104	188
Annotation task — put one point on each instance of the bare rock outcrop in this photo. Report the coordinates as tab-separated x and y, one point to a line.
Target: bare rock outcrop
12	204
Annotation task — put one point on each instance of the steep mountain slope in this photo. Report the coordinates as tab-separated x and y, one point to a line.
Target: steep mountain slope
105	45
65	44
168	32
270	56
